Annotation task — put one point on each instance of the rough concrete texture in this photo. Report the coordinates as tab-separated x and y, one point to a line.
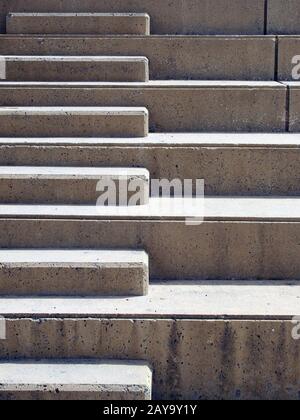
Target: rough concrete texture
170	57
213	250
198	300
77	379
288	48
174	106
192	359
78	23
58	185
73	272
294	106
283	17
231	164
176	16
73	121
55	68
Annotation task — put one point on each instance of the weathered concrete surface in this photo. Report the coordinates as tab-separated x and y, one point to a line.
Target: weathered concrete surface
64	272
177	16
192	359
288	48
58	185
77	379
213	250
283	17
294	106
68	68
198	300
174	106
231	164
78	23
170	57
37	121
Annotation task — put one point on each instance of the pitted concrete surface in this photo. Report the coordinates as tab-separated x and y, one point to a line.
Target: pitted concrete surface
68	272
84	379
78	23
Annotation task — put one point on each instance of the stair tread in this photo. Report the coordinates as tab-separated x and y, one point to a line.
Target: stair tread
185	299
231	84
68	256
216	209
80	372
71	172
285	140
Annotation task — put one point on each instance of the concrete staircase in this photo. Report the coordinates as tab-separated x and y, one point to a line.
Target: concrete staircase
77	108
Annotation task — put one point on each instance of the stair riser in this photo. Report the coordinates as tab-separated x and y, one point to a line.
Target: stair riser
67	191
212	250
29	24
294	108
171	109
73	125
283	17
226	170
73	280
89	71
204	16
288	48
253	344
195	58
56	394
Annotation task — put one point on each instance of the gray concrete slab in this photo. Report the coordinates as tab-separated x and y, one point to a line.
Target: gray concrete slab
195	300
221	359
240	248
283	17
70	185
170	56
69	121
65	272
77	379
238	164
68	68
78	23
174	106
190	16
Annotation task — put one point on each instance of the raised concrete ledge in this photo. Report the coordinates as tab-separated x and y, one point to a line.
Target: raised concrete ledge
264	209
172	300
190	16
72	68
75	379
165	84
68	185
80	272
175	106
174	140
78	23
69	121
192	57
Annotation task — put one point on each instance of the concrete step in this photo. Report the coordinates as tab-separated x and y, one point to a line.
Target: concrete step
175	17
63	68
216	238
283	17
174	106
71	121
294	106
232	164
78	23
192	57
75	379
63	272
58	185
215	327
